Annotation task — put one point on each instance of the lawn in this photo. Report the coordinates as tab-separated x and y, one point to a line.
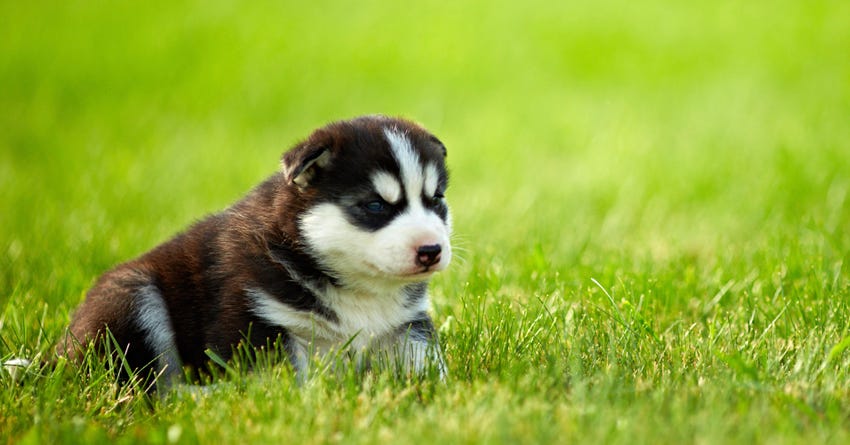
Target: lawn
652	220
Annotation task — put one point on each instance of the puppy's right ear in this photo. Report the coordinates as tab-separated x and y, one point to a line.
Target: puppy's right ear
301	164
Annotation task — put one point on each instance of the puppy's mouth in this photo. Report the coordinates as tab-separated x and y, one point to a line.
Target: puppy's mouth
413	273
427	270
418	274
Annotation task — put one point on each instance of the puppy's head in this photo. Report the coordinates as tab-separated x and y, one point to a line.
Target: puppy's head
371	192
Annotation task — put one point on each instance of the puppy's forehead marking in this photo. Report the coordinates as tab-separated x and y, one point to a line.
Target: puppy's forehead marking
408	162
432	179
387	186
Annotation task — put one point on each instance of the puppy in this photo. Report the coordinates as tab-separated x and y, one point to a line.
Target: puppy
334	249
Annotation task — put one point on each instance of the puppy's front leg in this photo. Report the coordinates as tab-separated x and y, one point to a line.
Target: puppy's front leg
415	349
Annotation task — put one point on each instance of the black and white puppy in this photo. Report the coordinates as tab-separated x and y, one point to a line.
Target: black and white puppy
336	248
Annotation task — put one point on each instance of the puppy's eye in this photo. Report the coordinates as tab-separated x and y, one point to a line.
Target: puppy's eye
375	206
434	201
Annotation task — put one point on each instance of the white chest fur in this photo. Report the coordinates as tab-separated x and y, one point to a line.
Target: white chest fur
362	317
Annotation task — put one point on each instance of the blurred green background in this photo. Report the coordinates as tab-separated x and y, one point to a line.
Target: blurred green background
650	202
583	136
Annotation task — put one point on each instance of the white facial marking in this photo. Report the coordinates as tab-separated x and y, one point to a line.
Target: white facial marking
153	319
408	162
376	259
431	180
387	186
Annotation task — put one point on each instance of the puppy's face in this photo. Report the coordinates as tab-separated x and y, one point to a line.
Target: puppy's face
373	200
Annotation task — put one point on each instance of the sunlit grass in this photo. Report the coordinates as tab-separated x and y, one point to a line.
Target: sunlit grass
650	203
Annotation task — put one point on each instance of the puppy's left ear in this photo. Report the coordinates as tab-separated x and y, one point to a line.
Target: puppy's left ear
301	164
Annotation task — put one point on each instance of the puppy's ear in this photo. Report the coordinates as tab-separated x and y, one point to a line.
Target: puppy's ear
440	143
301	164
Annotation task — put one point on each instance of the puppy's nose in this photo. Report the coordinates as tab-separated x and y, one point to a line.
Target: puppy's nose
428	255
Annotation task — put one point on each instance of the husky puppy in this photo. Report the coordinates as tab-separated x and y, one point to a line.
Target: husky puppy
334	249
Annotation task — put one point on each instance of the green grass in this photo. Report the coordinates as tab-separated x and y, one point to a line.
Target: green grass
650	200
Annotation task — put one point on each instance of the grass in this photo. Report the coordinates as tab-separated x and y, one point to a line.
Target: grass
650	201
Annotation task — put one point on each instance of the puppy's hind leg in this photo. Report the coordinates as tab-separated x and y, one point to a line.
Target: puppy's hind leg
125	311
153	319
